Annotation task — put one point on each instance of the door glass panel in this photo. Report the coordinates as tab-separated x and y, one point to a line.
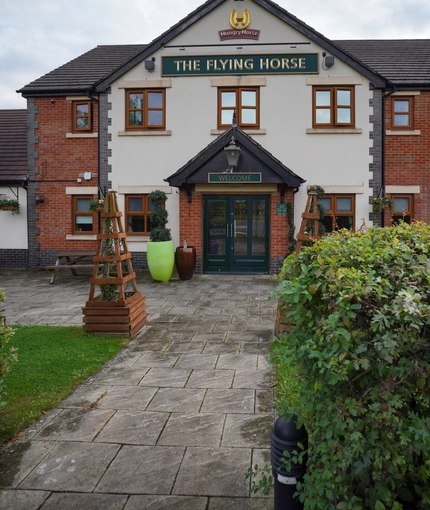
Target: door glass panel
240	227
217	227
258	227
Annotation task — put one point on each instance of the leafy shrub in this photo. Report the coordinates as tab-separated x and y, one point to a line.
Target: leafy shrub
358	313
159	215
6	356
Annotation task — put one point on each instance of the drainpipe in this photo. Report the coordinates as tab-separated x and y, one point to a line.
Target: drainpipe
384	96
97	100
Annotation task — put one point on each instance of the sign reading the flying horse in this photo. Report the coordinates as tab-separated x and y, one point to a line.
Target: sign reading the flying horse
240	27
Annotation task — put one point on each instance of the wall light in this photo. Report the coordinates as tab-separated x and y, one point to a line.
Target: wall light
150	65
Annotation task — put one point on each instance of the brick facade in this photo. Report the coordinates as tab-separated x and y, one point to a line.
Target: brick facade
407	156
59	163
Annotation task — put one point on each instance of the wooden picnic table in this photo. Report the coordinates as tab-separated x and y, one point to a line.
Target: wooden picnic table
72	260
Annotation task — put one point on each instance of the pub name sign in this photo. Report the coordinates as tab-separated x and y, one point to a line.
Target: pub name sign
244	64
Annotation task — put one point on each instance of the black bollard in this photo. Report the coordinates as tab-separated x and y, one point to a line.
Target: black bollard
285	437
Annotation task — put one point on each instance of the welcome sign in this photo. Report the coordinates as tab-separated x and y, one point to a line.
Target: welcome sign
243	64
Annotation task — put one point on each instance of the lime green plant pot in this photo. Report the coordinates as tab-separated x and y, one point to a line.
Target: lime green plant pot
161	260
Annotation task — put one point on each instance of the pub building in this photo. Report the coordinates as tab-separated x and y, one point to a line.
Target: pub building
238	79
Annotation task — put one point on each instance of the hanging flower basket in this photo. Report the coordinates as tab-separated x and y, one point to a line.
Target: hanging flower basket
10	205
380	204
97	205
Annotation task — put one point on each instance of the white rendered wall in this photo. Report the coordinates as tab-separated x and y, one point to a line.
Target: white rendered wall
13	227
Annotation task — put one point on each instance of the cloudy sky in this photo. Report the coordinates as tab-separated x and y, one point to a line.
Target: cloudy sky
37	37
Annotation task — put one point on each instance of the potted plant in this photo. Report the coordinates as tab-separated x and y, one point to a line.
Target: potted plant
381	203
97	205
185	259
160	251
10	205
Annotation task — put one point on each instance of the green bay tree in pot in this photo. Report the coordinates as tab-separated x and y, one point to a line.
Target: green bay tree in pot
160	251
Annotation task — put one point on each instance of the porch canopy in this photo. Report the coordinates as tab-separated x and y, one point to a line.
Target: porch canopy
253	159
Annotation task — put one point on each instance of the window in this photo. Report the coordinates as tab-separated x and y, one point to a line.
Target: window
333	107
339	212
243	101
138	210
82	116
82	216
145	109
402	113
402	208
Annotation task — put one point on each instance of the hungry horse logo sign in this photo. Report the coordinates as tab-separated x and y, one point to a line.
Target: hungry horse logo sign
239	26
240	22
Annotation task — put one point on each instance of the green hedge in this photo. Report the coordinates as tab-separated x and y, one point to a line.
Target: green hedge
357	308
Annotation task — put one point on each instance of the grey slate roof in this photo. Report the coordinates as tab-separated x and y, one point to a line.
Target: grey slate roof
13	146
84	72
401	61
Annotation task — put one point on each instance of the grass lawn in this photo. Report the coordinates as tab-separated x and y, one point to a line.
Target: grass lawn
52	361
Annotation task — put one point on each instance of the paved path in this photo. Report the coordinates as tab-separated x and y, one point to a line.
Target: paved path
173	422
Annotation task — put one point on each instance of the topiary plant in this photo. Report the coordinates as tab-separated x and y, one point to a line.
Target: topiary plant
358	311
158	219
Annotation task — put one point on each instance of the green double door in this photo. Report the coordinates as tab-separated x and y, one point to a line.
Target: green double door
236	234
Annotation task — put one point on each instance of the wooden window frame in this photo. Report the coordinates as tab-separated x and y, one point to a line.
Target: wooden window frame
76	213
333	107
76	117
239	107
400	215
145	212
335	214
145	109
410	113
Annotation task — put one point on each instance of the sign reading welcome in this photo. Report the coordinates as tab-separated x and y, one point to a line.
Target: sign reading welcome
244	64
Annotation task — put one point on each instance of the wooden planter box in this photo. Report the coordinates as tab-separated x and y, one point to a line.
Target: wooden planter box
120	318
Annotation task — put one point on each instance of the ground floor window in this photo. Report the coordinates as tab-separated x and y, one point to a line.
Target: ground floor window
339	212
402	208
138	209
82	216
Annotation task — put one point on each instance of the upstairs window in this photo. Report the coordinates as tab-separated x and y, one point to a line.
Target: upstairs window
333	107
138	209
146	109
339	212
402	113
243	101
82	216
82	116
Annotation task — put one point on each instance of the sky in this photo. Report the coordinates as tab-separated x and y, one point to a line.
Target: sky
37	37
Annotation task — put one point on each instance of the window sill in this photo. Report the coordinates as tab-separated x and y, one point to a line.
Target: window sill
153	132
81	237
82	135
218	132
334	131
131	239
411	132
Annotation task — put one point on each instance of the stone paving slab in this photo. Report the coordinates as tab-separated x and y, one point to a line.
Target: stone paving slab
166	377
74	501
177	400
142	470
211	379
133	427
166	502
71	467
214	472
193	430
22	500
233	401
75	424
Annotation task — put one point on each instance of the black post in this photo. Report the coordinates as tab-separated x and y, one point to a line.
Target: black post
285	437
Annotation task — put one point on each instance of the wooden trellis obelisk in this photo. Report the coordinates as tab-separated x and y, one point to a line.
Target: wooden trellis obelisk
307	232
119	308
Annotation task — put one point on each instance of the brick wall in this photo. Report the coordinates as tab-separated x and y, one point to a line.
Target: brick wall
58	163
407	158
